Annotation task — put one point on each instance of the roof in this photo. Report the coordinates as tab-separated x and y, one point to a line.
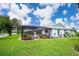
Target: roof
35	27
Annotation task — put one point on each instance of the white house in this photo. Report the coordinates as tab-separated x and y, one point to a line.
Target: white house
54	31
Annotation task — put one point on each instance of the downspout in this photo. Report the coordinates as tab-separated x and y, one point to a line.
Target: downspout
64	31
21	32
58	32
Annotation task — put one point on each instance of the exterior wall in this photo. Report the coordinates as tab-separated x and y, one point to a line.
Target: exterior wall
61	33
54	33
43	32
51	32
48	33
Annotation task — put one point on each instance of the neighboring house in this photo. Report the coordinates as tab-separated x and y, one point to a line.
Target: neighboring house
54	31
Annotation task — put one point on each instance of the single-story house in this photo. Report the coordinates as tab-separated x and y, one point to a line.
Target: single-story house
48	31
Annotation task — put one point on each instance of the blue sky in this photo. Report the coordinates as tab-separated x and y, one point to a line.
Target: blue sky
34	13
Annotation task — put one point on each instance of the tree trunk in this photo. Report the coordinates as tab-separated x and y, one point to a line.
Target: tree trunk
0	31
9	34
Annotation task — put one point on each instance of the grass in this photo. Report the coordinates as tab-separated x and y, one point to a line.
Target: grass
12	46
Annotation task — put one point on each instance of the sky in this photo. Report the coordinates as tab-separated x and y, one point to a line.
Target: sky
43	14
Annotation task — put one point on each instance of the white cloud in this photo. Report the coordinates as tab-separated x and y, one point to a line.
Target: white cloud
72	25
25	10
46	23
4	6
12	15
67	26
75	17
53	4
16	12
46	13
64	23
77	27
24	21
44	4
72	18
20	14
65	12
77	22
27	22
65	19
59	21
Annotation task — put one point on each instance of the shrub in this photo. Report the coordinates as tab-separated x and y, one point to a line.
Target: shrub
77	34
26	37
69	34
76	47
10	37
66	34
43	36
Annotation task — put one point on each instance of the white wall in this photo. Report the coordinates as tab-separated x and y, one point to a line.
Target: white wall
54	33
61	33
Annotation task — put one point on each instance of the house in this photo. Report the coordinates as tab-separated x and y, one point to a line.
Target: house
36	31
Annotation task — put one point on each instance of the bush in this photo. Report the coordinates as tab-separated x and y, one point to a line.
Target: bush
10	37
69	34
66	34
26	37
77	34
76	47
43	36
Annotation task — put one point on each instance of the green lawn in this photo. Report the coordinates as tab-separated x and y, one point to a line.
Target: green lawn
12	46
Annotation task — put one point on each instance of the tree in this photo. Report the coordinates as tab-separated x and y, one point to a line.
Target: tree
5	24
1	23
0	28
16	25
73	30
8	25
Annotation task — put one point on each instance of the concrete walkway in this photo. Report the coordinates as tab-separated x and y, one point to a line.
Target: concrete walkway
4	35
